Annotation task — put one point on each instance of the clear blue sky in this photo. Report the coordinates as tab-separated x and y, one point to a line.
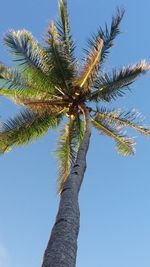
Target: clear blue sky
115	197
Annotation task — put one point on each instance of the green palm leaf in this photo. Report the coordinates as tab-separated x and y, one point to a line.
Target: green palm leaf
26	49
30	81
23	95
24	128
35	101
63	27
65	154
11	77
70	139
62	72
37	69
40	82
111	86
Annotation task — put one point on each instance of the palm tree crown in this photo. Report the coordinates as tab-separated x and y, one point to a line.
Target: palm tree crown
50	84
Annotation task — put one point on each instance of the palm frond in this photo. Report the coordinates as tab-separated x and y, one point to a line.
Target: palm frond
125	145
107	35
24	128
26	49
63	27
20	97
65	154
40	82
31	81
130	119
78	128
52	106
91	66
111	86
13	78
62	71
35	61
69	142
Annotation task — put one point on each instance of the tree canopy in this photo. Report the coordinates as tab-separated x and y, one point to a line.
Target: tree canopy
49	82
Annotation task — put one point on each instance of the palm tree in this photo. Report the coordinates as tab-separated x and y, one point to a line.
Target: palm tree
50	84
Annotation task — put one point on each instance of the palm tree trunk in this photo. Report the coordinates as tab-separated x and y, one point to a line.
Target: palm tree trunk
62	247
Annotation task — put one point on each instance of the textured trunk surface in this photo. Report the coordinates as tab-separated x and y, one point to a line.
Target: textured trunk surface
62	247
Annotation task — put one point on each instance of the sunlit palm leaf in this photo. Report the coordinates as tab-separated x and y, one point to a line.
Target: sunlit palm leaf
29	54
62	71
125	145
26	49
91	65
48	106
24	128
69	142
40	82
78	131
65	154
129	119
111	86
21	97
32	79
11	77
63	28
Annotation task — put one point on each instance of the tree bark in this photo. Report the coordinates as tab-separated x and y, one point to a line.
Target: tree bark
62	247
